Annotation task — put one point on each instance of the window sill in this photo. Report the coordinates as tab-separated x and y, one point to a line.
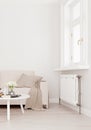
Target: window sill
73	68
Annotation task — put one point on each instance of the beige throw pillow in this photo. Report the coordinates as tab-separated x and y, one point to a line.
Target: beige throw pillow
28	80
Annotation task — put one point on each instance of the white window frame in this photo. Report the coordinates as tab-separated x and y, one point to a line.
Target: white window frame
84	33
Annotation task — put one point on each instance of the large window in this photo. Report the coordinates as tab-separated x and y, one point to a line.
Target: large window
74	33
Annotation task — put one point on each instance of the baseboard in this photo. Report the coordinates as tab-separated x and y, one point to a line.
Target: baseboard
83	111
53	100
70	106
86	112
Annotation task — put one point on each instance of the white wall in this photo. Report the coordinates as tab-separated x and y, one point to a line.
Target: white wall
29	38
87	75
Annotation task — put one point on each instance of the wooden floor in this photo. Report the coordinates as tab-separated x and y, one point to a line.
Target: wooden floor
56	117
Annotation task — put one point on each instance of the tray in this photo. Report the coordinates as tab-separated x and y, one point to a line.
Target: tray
15	96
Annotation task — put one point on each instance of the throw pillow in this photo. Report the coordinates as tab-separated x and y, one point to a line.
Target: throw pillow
28	80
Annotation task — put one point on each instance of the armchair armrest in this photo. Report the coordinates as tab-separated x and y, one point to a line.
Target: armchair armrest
44	90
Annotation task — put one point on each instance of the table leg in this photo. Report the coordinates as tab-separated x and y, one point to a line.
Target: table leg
8	109
22	109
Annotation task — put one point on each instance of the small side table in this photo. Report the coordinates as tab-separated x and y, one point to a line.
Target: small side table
8	99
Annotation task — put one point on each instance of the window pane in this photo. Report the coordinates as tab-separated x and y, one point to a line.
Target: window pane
66	37
76	11
76	44
66	52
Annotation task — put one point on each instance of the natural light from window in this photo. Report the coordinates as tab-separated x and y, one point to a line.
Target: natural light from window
74	33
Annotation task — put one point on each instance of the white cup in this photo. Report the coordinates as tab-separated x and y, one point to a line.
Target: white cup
5	90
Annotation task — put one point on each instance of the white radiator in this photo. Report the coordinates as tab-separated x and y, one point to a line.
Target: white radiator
69	89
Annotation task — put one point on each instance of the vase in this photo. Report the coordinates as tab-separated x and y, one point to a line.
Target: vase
11	91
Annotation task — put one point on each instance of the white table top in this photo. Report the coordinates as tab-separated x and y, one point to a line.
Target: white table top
5	97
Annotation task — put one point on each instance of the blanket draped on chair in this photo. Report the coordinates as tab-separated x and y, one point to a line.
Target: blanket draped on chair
33	82
35	100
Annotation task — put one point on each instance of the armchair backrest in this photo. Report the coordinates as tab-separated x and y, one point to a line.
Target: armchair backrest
12	75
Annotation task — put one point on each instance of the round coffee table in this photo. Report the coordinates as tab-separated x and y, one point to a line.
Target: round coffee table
8	99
